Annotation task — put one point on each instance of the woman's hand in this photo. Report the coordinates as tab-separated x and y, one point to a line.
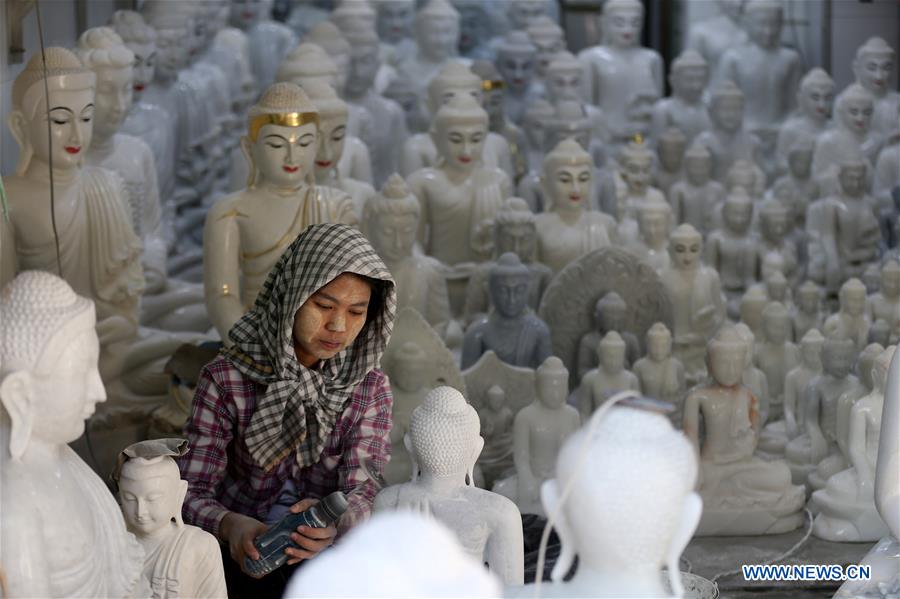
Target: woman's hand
239	531
310	540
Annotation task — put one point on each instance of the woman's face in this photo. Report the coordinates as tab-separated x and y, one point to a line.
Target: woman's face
330	320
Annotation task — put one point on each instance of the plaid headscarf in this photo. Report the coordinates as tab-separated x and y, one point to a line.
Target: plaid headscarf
300	405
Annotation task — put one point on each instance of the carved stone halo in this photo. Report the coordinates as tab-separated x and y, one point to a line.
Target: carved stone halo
568	304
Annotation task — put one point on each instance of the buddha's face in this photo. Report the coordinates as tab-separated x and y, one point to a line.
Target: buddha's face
332	133
171	52
659	345
856	114
472	27
689	82
549	44
149	502
837	358
726	363
517	69
698	169
764	27
71	127
247	13
776	328
509	293
890	282
800	162
284	155
728	112
519	238
395	20
144	66
364	65
637	173
623	27
564	85
685	251
611	316
496	400
395	234
811	352
873	71
653	225
737	215
552	388
522	13
671	152
816	99
852	178
113	99
776	224
461	144
438	38
409	374
570	185
612	357
853	301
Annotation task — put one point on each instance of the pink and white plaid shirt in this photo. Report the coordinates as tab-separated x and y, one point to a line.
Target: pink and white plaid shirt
223	477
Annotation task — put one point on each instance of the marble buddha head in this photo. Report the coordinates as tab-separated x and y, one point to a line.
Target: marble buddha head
726	107
141	40
854	108
670	148
282	138
493	89
552	383
567	175
496	398
565	77
474	24
327	36
689	75
49	381
838	355
459	130
437	30
808	297
150	488
637	167
408	368
172	37
811	349
364	60
103	51
775	323
247	13
698	164
332	126
763	21
659	342
444	436
632	476
71	100
354	14
610	312
685	247
890	279
775	221
611	351
800	157
522	13
653	222
852	176
308	62
726	356
816	95
454	79
392	220
853	297
395	19
516	57
874	66
567	121
534	122
737	211
515	230
548	39
623	21
509	282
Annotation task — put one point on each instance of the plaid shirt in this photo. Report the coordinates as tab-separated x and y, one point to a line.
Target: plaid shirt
223	477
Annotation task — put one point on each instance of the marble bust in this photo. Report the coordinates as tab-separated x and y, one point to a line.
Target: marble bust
62	533
179	560
608	378
814	100
728	140
873	67
444	443
511	330
661	376
733	480
684	110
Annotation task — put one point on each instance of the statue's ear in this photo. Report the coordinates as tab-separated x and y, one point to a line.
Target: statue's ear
16	397
690	518
182	493
550	500
247	151
16	122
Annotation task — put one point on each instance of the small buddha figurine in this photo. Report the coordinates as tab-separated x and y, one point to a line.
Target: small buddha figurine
610	314
394	20
728	140
444	443
851	321
733	480
885	304
873	68
605	470
670	147
620	70
695	198
807	313
549	40
391	223
814	100
400	90
534	121
496	428
269	40
62	533
697	300
565	81
459	196
776	356
731	250
842	231
871	278
539	431
661	376
798	184
515	231
684	109
654	222
853	108
746	174
751	307
516	58
570	230
437	41
408	375
713	36
179	560
511	330
245	231
775	224
493	88
608	378
754	379
636	169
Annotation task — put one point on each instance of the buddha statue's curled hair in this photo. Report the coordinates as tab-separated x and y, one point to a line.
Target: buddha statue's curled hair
443	430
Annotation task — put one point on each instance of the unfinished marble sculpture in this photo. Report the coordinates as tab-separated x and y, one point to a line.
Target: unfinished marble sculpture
850	321
776	355
873	68
728	140
179	560
516	57
713	36
742	494
661	375
610	314
444	442
245	232
62	533
695	198
539	431
608	378
814	100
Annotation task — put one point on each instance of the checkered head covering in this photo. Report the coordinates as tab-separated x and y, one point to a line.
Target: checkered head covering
299	407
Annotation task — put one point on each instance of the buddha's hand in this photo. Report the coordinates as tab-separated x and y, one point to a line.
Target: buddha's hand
310	540
239	531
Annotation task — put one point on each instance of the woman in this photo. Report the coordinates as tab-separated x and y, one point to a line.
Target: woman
297	407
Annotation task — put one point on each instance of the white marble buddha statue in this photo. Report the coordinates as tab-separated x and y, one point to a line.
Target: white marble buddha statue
661	376
851	321
493	89
728	140
776	355
444	443
496	428
636	170
697	300
713	36
798	185
885	303
437	40
775	225
601	477
753	378
608	378
459	196
549	39
409	386
671	145
695	198
62	533
854	108
534	120
394	20
565	81
620	70
270	41
610	314
391	221
654	220
873	68
731	249
808	312
539	431
245	232
684	109
516	60
180	560
571	229
742	494
814	100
